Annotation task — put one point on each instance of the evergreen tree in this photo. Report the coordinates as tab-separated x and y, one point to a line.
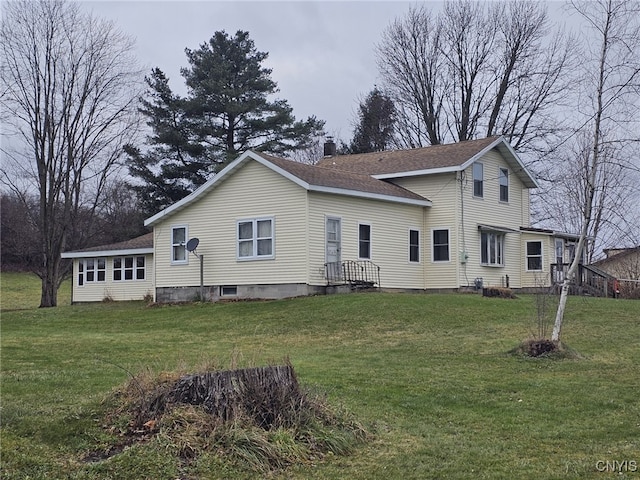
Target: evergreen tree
174	162
227	110
376	120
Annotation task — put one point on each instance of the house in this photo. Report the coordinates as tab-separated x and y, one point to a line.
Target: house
437	218
624	265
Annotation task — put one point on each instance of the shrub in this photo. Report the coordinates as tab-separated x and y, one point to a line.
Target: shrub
499	292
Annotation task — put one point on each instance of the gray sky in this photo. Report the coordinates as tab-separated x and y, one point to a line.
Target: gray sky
321	53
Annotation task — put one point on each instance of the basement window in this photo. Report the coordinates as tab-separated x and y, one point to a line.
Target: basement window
228	291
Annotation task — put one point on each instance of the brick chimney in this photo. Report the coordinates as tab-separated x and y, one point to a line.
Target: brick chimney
329	147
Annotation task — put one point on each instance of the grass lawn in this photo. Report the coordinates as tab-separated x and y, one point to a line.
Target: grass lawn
429	375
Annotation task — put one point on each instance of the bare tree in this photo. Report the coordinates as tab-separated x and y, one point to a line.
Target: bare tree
612	92
67	90
476	69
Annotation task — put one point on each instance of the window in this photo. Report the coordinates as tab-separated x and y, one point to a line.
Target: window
478	183
441	245
503	178
559	251
364	241
534	256
255	239
178	245
228	291
414	245
91	270
128	268
492	248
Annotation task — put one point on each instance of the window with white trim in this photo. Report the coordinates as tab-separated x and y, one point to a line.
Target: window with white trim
534	256
255	239
179	244
478	180
440	247
128	268
414	246
503	180
364	241
91	270
492	248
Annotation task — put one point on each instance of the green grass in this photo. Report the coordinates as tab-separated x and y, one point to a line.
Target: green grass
428	374
22	291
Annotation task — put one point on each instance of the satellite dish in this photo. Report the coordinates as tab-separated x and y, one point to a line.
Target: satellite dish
192	244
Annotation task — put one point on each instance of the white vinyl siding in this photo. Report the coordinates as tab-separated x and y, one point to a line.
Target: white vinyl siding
491	211
110	288
389	236
252	192
444	190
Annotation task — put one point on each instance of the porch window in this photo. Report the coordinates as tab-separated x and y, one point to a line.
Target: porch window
178	245
128	268
503	178
364	241
255	239
492	248
534	256
91	270
414	246
478	180
441	245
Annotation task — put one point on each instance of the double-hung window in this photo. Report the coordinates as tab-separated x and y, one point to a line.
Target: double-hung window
178	244
478	180
364	241
414	246
534	256
128	268
256	239
91	270
503	180
492	248
441	245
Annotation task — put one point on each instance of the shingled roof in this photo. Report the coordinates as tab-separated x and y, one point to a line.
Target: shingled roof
345	180
433	159
395	161
139	245
309	177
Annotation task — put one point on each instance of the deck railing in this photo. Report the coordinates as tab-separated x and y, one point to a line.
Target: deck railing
357	274
589	280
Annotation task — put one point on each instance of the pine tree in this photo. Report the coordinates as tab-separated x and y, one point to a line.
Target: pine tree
376	120
227	110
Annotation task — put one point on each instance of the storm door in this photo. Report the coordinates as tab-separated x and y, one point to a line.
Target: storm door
333	247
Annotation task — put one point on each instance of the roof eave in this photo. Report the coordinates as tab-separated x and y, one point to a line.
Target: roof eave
509	153
370	196
416	173
108	253
180	204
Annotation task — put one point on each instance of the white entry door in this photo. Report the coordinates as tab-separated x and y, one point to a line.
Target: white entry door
333	248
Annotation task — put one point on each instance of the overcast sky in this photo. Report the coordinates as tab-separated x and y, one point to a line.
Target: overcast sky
321	53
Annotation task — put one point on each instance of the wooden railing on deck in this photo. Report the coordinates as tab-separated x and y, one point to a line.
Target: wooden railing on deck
589	280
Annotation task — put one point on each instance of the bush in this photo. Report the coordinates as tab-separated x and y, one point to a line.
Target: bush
499	292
